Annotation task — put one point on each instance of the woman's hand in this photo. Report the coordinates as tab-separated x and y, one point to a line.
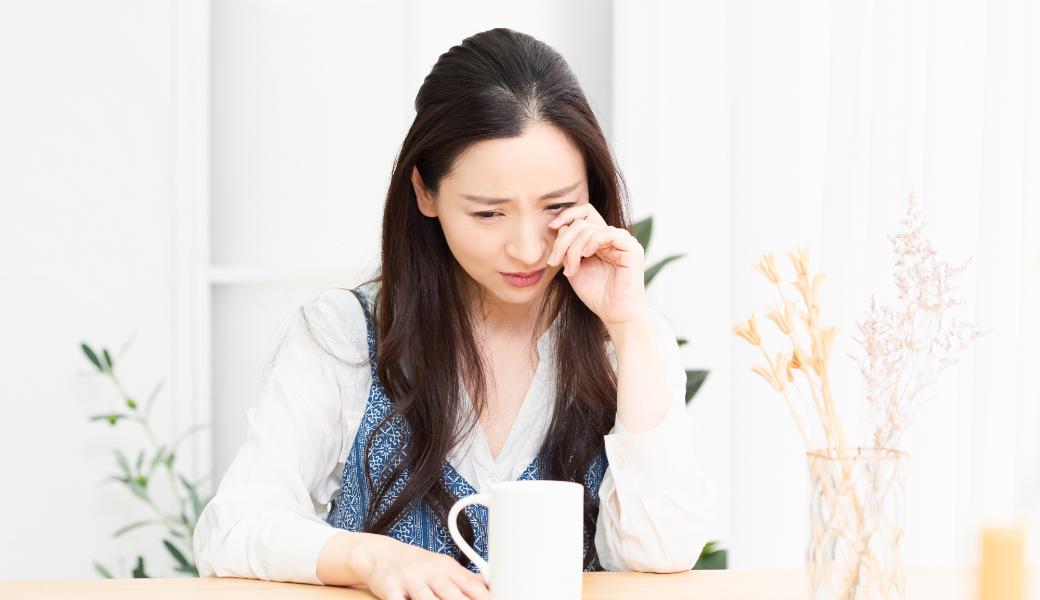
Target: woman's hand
604	265
395	570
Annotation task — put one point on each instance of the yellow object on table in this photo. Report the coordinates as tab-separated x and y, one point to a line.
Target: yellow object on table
1003	576
928	583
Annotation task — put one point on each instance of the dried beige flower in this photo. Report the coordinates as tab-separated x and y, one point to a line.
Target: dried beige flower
784	321
812	365
800	259
749	333
767	266
768	375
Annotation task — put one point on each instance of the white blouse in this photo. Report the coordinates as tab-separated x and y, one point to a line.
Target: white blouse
267	520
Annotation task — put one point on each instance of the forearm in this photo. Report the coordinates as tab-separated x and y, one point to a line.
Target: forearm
346	559
643	394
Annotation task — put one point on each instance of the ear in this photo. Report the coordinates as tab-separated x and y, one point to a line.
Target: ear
422	195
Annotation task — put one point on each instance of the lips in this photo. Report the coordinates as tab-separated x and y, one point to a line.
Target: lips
522	280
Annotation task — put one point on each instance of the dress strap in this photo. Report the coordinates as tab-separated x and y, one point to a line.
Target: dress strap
369	324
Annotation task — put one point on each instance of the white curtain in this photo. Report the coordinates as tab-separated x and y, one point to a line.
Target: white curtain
748	126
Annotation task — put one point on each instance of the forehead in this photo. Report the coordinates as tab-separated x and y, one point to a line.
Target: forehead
542	159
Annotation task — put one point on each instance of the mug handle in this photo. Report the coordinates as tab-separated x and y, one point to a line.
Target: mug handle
453	528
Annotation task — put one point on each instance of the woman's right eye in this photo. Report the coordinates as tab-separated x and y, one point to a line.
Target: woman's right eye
486	215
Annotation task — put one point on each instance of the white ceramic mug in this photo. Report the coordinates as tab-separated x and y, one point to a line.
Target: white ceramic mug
535	539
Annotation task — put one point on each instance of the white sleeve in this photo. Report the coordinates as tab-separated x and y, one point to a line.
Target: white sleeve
267	518
663	496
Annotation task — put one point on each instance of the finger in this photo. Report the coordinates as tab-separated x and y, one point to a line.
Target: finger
577	250
471	584
446	589
579	212
420	591
607	237
565	238
617	246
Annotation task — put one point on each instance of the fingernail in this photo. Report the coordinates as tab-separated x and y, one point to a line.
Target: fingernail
585	250
565	269
552	257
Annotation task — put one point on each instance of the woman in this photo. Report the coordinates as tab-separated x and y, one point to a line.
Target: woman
506	337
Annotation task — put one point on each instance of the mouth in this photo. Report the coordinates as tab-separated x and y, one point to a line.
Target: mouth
522	280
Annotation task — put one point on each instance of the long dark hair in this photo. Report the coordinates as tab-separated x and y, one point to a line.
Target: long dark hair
495	84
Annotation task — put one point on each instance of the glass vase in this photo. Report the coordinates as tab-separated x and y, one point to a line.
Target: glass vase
856	524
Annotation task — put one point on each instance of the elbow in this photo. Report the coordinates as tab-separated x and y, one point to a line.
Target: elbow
674	549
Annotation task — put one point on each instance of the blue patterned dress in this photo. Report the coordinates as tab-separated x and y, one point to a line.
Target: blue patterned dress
420	526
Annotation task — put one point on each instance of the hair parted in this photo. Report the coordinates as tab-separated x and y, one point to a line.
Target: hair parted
494	85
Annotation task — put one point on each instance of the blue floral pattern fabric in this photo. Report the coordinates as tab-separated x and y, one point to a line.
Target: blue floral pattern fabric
420	526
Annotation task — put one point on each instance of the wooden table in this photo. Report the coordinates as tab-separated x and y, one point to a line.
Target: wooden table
928	583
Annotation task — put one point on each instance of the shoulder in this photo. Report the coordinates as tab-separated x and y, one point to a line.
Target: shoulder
334	323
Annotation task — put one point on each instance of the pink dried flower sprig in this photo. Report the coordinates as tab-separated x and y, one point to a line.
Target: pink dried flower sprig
908	347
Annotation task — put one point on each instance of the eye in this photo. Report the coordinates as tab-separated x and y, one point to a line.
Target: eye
555	208
486	215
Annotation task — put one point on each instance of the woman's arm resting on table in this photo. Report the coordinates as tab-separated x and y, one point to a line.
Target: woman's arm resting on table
263	522
654	500
394	570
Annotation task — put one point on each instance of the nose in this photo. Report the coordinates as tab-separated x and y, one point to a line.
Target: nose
527	242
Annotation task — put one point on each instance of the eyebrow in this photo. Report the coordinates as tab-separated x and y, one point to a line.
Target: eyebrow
496	201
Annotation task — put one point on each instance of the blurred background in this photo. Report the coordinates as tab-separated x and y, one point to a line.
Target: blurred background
182	174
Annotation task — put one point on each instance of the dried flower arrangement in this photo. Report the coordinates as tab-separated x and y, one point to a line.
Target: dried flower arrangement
857	505
907	348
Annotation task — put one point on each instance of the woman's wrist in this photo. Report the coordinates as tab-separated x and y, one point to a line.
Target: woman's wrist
347	558
640	328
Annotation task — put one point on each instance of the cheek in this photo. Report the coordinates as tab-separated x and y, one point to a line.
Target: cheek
471	243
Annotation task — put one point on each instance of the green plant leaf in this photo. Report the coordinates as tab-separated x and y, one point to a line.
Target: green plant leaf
108	358
102	571
152	397
196	505
133	526
694	381
139	569
93	357
140	460
156	460
682	341
123	464
112	418
190	570
130	402
711	559
177	556
140	490
651	272
642	231
201	507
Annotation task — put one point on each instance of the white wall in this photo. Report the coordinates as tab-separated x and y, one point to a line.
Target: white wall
85	255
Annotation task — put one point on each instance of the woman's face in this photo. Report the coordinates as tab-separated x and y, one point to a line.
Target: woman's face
496	204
